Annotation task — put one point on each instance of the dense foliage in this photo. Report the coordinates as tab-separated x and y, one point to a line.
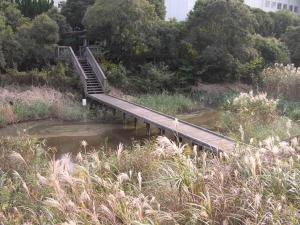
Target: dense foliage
74	11
25	43
221	41
32	8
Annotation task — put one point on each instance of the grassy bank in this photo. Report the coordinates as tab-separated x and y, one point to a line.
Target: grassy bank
174	104
171	104
37	103
157	183
19	105
290	109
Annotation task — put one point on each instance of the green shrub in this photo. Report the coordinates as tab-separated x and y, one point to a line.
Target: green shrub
272	50
152	78
116	74
22	111
60	77
40	110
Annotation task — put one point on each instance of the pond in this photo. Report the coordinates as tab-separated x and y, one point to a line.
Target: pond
67	136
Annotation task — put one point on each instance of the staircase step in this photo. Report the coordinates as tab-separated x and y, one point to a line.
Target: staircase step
94	84
94	90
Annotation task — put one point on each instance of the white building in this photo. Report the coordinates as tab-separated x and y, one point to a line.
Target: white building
275	5
179	9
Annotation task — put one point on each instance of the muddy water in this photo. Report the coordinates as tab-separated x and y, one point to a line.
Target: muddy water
207	118
67	136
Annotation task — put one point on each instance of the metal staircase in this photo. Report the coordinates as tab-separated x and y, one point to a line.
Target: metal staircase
92	84
92	77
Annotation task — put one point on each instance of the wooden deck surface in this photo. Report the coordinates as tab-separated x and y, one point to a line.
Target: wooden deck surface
196	134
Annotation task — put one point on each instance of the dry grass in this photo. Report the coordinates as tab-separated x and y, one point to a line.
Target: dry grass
157	183
17	105
252	118
282	81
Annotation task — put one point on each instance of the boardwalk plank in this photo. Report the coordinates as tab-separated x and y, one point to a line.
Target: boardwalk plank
196	134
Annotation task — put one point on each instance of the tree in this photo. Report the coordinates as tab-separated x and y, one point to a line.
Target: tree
282	20
219	35
44	30
74	11
32	8
163	42
272	50
37	42
122	27
160	8
264	23
61	21
291	38
2	38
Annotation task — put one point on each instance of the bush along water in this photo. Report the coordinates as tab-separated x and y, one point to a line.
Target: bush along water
252	118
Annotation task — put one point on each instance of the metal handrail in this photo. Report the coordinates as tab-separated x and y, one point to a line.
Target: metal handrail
88	55
74	60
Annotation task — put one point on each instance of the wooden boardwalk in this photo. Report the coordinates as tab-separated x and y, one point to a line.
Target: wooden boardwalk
197	135
94	83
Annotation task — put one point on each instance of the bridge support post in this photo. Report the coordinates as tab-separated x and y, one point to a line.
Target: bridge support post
114	111
124	118
135	123
162	131
195	146
105	112
148	129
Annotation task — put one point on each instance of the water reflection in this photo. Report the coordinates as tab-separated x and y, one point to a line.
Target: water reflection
67	136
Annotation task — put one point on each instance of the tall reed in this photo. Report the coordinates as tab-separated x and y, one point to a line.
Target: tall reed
159	182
